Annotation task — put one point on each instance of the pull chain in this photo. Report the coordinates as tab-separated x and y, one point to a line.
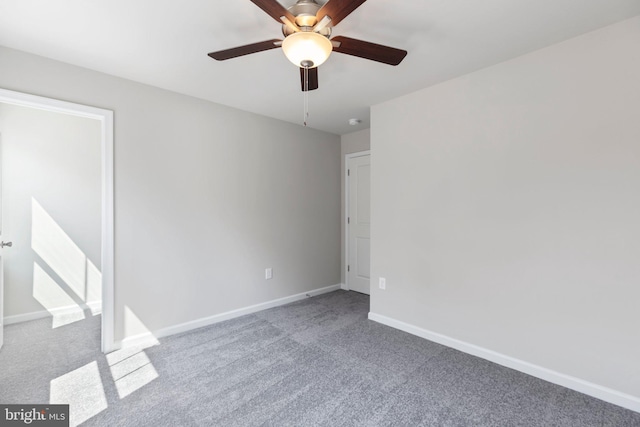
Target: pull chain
305	64
306	96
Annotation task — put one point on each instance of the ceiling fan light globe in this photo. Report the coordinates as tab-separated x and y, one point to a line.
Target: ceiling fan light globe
306	46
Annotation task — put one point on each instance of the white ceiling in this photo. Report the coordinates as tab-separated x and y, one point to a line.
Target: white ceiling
165	43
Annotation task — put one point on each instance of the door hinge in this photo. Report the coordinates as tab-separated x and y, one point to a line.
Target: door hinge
348	220
348	172
348	268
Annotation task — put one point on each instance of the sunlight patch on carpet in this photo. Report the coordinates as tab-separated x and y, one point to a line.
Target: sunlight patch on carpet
82	390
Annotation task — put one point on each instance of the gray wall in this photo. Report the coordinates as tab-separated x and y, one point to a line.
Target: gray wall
506	206
51	207
350	143
206	197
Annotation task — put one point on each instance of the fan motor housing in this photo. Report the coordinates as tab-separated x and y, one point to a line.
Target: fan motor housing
305	12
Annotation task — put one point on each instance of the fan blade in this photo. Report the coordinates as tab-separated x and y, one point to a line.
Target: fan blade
312	76
274	9
368	50
338	9
221	55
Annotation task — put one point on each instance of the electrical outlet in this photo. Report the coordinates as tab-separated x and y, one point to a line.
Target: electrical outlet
268	273
382	283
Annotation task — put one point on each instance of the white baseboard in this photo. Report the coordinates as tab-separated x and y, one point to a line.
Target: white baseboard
600	392
26	317
343	287
151	338
58	311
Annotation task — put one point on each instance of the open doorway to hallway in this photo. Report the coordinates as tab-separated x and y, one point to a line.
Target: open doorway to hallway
57	211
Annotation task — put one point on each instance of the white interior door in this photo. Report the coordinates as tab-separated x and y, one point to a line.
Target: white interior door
358	223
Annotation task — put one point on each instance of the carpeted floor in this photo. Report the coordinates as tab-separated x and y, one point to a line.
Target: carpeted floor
314	362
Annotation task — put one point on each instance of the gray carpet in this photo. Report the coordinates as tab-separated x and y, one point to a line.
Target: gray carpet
314	362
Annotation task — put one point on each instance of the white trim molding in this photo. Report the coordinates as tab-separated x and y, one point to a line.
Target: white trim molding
107	136
26	317
600	392
151	338
94	307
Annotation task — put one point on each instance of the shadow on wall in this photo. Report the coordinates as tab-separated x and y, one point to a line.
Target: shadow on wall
79	282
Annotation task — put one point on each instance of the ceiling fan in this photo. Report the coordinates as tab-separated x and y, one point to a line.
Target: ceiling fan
307	27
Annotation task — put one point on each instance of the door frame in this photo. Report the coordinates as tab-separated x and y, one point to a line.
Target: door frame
348	157
107	160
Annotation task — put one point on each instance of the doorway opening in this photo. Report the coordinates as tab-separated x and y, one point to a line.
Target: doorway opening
96	284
